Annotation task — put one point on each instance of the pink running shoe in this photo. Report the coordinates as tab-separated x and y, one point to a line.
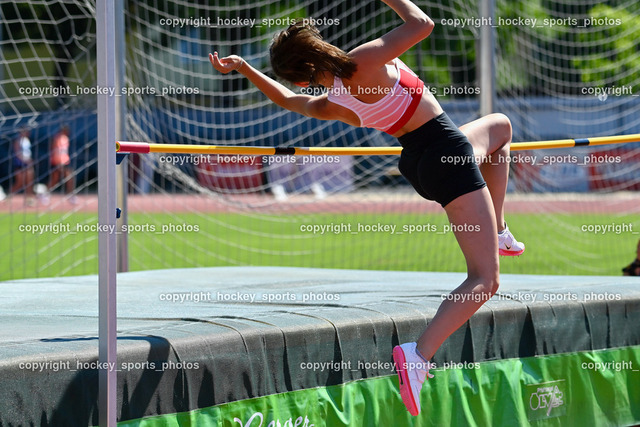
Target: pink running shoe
412	371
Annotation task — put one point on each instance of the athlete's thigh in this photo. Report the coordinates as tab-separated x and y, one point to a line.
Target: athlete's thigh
488	134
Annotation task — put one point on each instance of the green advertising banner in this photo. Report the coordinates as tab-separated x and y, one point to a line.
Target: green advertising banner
595	388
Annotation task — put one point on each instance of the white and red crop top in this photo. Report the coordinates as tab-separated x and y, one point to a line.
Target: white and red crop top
390	113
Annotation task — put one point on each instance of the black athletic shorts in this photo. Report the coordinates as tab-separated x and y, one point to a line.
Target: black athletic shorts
438	160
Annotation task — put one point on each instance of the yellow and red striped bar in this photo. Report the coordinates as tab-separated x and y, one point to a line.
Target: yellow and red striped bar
144	147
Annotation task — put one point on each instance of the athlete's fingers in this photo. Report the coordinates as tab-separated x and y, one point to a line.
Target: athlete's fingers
215	61
221	65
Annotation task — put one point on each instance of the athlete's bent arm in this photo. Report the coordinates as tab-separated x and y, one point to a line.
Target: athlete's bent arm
307	105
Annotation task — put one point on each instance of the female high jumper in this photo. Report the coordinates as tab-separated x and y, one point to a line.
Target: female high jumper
371	87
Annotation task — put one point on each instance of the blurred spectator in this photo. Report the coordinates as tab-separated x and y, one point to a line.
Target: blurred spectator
23	166
60	161
633	269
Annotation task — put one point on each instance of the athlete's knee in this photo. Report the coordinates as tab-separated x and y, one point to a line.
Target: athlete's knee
494	285
487	282
490	286
502	129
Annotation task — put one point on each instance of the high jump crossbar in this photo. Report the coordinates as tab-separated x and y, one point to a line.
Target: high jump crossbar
144	147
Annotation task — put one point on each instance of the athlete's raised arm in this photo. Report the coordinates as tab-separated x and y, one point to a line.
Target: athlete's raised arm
416	27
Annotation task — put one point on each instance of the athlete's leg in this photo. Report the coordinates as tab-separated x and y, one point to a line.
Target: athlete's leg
69	180
479	244
18	180
54	178
30	177
490	137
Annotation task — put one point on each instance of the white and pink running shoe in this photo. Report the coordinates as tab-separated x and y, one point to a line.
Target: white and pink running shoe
412	372
508	245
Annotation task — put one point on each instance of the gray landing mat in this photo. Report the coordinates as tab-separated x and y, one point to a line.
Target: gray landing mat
193	338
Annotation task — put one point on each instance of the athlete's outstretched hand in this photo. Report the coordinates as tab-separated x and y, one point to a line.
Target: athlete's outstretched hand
227	64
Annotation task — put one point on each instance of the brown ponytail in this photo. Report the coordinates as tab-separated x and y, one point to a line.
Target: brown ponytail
298	53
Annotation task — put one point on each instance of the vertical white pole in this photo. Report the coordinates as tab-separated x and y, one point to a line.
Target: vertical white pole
487	49
121	130
105	34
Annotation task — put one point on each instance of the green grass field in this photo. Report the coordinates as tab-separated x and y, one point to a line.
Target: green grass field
556	244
